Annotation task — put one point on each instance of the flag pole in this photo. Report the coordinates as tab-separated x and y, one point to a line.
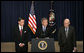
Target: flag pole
51	6
32	2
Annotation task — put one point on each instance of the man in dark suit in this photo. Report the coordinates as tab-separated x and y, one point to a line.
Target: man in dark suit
66	37
21	37
43	31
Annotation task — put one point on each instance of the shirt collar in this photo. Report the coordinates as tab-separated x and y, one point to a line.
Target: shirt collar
20	27
67	28
43	26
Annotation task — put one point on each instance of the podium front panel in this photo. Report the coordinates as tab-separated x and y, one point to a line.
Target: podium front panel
43	45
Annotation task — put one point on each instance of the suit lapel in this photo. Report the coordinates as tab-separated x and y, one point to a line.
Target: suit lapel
64	32
41	29
23	31
18	32
69	31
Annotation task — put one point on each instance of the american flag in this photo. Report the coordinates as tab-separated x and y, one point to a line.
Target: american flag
32	19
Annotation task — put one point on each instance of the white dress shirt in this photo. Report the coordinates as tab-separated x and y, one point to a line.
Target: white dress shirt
20	27
44	28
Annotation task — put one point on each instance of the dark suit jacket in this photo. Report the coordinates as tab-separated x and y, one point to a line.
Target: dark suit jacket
18	39
41	34
68	42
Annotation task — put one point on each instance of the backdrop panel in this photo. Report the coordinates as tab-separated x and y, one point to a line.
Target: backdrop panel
11	10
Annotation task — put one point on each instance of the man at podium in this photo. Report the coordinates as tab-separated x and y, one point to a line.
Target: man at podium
43	31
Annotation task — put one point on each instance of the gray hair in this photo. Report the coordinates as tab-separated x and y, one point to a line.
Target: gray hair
43	19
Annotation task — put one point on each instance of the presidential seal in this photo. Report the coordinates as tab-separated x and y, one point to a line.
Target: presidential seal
42	45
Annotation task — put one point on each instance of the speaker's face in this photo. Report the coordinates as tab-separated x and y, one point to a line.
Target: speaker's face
45	22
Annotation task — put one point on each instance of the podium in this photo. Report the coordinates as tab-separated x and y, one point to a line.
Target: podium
42	45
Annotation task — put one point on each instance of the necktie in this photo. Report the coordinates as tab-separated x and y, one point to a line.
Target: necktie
21	31
66	30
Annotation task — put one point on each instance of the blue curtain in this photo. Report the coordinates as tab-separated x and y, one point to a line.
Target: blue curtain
11	10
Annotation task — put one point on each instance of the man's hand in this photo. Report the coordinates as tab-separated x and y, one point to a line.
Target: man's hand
75	49
21	44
